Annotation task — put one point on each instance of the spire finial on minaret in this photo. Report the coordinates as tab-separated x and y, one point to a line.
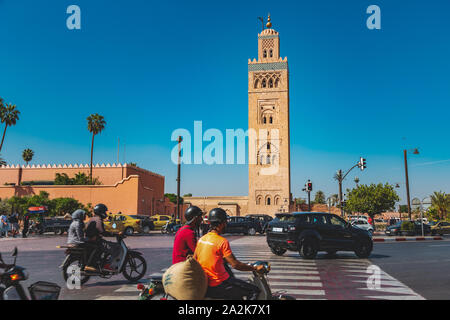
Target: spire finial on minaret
269	23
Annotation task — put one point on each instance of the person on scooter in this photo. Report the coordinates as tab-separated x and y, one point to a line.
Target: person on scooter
76	229
211	251
94	231
186	239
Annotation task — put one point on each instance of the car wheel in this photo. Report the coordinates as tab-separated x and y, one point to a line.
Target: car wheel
309	248
251	231
278	251
129	231
363	248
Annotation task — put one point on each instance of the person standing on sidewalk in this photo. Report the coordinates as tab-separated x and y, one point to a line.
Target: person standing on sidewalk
14	222
3	225
26	224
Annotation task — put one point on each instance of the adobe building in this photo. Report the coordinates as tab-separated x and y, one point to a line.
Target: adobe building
124	188
269	182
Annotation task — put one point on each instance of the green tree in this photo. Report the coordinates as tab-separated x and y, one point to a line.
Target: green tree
27	155
96	124
300	201
188	195
173	198
320	197
9	116
373	199
403	208
2	162
63	206
441	202
62	179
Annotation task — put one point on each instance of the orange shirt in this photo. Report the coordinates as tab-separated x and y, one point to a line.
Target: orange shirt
210	251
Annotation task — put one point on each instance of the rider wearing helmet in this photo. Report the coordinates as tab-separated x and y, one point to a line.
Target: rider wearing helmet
212	249
94	231
186	239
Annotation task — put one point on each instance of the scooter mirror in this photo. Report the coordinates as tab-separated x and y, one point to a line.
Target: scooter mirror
14	253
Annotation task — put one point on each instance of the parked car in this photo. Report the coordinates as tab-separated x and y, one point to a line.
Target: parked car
147	223
160	220
243	225
394	230
357	217
441	228
263	220
116	223
363	224
311	232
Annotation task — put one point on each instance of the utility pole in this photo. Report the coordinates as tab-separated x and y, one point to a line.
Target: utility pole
180	139
407	183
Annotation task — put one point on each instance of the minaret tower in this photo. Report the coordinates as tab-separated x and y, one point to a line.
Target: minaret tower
268	114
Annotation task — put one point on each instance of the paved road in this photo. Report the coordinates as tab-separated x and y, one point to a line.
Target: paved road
413	270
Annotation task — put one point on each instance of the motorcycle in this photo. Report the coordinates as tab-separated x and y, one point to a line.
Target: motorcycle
170	228
121	260
155	289
11	289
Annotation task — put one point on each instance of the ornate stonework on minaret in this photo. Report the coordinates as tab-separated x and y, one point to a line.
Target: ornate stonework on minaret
268	114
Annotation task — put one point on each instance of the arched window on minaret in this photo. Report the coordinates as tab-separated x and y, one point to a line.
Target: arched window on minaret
268	159
277	82
268	145
264	120
271	120
268	201
265	54
270	83
271	53
256	83
264	84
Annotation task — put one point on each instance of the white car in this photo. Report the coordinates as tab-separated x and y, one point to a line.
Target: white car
363	224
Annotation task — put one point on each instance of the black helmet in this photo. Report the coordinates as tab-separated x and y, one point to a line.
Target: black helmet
217	216
100	210
192	213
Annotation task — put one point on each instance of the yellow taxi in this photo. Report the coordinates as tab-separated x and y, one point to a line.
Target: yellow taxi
116	223
160	220
441	228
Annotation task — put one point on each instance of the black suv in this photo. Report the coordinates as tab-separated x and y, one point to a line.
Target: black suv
263	220
310	232
243	225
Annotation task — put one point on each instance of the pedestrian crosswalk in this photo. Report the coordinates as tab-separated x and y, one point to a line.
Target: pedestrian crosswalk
340	277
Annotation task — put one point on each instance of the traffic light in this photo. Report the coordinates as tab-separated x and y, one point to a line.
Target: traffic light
362	164
310	186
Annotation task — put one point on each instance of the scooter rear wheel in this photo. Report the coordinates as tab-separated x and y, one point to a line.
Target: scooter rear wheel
76	262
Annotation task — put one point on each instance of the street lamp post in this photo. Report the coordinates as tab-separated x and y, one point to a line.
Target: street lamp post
416	151
180	139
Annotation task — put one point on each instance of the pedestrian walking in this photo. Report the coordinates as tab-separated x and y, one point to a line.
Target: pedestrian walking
26	225
14	223
4	226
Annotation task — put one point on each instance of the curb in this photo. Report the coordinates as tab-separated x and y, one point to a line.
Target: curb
401	239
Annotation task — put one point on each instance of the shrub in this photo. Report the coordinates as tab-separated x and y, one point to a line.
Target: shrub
407	226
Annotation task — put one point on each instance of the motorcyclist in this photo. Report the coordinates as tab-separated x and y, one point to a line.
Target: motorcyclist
94	231
186	239
211	251
76	229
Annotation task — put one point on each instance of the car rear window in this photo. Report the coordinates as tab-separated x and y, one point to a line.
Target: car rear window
285	218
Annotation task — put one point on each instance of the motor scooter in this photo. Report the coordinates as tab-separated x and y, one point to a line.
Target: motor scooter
11	288
155	289
130	263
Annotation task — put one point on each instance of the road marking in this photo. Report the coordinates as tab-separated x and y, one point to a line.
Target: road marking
305	292
396	297
294	283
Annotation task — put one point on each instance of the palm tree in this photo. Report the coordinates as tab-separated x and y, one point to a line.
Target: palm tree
96	124
356	181
27	155
8	115
441	202
2	161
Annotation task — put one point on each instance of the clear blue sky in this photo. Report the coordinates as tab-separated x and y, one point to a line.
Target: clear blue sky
152	67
